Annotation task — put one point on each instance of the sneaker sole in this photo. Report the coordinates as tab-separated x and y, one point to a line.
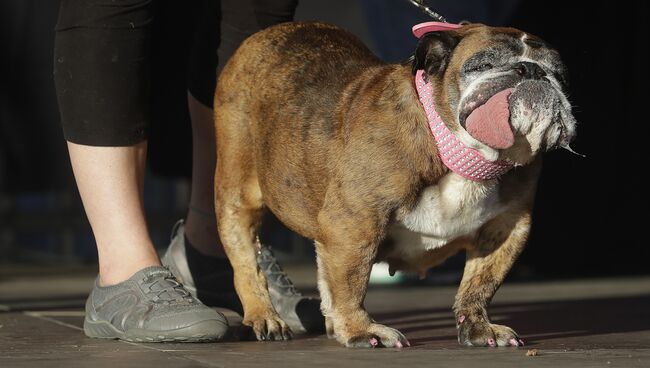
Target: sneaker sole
193	333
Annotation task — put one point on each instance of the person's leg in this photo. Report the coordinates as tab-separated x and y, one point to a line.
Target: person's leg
200	223
195	253
100	67
101	73
110	182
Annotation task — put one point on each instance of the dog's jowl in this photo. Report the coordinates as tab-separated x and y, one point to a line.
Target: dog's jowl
407	164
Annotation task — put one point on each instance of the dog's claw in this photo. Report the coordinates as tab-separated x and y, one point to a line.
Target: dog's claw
271	329
472	333
377	336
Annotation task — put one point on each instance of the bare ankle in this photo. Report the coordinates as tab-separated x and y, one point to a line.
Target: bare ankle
110	276
201	232
115	266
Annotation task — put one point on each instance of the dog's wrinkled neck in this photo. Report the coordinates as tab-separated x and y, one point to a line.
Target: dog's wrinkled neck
457	156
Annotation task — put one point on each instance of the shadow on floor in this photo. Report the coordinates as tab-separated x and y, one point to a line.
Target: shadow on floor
537	321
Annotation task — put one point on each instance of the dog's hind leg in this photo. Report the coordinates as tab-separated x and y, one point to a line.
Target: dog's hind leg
239	208
489	259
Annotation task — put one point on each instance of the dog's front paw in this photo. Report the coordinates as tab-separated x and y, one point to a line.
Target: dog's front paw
482	333
378	336
268	327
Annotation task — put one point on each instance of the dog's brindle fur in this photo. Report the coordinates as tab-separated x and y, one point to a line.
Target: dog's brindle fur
335	143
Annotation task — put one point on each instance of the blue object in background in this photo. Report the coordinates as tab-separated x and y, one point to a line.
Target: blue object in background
390	21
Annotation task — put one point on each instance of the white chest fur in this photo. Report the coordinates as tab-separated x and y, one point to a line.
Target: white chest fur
453	208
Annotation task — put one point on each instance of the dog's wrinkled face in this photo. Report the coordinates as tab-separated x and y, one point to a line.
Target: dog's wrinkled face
473	64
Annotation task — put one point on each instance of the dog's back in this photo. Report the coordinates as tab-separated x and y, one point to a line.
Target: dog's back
271	84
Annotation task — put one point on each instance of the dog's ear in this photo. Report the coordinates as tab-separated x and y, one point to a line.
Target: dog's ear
433	51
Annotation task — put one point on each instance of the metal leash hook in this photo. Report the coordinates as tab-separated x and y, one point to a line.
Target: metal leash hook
420	4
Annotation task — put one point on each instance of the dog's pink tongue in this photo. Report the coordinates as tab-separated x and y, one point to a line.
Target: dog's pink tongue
490	122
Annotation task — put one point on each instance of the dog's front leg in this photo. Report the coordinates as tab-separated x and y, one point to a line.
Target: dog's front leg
497	246
345	257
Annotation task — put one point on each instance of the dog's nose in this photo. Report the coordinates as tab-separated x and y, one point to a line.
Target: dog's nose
529	70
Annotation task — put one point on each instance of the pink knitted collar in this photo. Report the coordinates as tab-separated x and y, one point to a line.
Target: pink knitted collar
457	156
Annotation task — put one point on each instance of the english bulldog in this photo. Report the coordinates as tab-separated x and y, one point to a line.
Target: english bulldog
403	163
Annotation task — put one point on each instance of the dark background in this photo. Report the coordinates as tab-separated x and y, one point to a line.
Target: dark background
590	214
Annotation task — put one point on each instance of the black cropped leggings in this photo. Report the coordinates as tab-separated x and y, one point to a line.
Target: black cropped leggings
102	61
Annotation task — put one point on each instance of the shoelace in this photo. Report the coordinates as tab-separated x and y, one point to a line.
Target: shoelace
167	289
274	272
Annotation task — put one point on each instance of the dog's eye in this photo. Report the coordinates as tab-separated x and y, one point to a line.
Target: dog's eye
480	68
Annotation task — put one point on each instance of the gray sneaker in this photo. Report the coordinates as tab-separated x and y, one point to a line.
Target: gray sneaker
301	313
151	306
